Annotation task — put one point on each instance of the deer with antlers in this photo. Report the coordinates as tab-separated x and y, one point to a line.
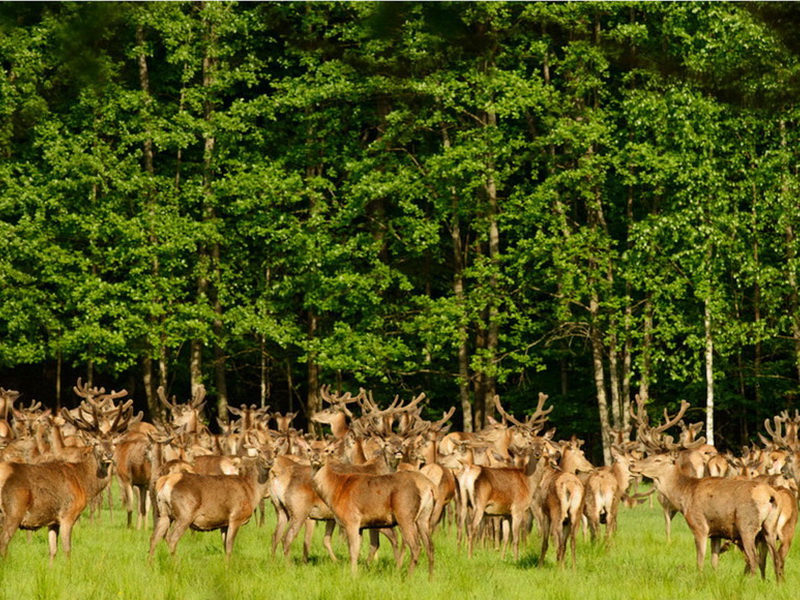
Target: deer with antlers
54	494
740	510
504	491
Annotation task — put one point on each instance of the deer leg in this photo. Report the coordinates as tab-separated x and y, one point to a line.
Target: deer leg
700	537
374	545
326	540
224	532
353	544
65	530
477	516
142	514
232	530
178	529
280	525
516	527
573	539
716	545
310	525
505	531
438	510
425	535
297	521
397	547
545	539
52	540
749	549
559	541
10	525
159	531
127	496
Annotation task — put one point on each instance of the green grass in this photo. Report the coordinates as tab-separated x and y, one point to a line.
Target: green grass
109	561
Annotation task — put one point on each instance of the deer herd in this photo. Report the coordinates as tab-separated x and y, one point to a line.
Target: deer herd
387	470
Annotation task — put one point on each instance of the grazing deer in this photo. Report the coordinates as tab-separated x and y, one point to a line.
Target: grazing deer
739	510
54	494
208	502
360	501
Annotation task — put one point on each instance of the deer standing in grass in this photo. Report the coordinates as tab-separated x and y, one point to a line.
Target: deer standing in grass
741	510
208	502
359	501
738	510
54	494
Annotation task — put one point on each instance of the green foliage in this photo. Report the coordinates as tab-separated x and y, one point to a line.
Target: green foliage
641	155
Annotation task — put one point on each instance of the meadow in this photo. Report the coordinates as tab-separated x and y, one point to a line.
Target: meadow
111	561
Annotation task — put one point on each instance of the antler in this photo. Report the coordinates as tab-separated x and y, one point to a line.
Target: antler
198	397
537	420
674	420
506	416
162	395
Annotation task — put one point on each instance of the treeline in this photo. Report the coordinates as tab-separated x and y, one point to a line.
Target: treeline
591	200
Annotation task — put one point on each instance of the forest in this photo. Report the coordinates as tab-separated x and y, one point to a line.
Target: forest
592	200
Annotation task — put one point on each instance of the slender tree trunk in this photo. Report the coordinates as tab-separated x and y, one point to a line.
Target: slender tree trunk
313	400
599	377
791	255
265	382
647	345
458	291
493	312
709	362
463	343
153	405
59	363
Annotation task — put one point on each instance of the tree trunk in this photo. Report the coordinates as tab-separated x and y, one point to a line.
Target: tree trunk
599	378
458	290
647	345
153	405
709	362
313	400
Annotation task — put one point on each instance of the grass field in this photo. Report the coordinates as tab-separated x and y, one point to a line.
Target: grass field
110	561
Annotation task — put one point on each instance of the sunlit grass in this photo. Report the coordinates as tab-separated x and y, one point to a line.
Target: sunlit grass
110	561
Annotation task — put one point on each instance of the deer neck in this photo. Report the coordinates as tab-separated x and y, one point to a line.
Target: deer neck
94	474
339	427
676	486
622	474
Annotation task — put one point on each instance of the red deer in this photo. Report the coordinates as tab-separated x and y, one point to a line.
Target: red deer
54	494
604	488
558	501
207	502
715	508
501	491
295	501
360	501
134	473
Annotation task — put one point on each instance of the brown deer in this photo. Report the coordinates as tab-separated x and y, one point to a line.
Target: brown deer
7	399
297	503
54	494
653	439
361	501
715	508
186	417
208	502
557	502
604	488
